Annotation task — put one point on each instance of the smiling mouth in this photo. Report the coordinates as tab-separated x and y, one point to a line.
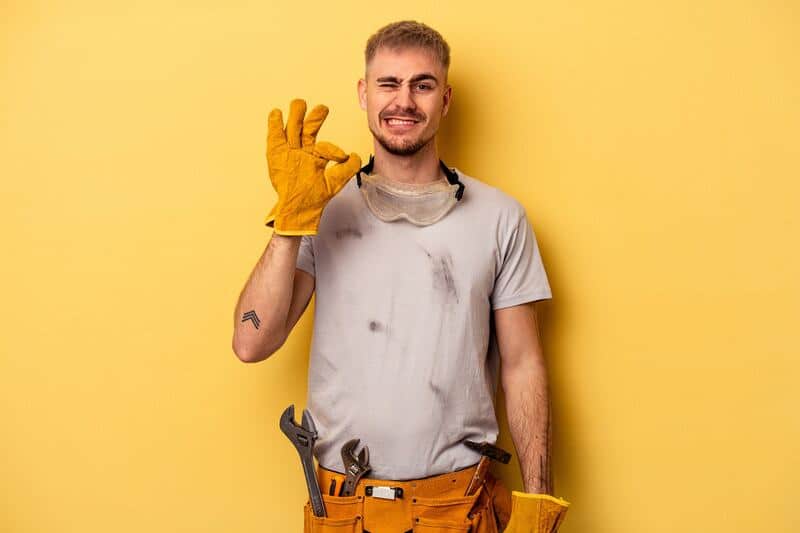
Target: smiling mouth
400	123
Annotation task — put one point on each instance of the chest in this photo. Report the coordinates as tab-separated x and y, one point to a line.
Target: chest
454	258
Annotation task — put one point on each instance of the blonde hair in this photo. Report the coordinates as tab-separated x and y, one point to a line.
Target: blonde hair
409	34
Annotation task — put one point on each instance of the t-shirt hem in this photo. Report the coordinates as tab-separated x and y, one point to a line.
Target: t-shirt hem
306	269
521	299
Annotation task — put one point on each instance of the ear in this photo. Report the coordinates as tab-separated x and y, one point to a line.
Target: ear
362	93
447	96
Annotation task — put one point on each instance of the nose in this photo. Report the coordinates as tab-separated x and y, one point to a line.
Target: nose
405	99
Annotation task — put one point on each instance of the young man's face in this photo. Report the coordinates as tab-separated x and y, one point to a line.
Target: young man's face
409	85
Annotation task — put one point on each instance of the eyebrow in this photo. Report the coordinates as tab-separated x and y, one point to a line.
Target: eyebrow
414	79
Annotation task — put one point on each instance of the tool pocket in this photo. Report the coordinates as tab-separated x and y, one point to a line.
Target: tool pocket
343	515
491	511
427	525
444	515
499	496
483	519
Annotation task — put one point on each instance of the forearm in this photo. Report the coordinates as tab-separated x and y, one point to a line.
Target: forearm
261	313
528	407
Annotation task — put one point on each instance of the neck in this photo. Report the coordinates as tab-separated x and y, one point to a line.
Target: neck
418	168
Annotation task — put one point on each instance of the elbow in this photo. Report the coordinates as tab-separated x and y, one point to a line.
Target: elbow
522	373
254	353
248	353
247	356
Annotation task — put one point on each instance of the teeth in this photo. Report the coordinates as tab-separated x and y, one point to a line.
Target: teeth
395	121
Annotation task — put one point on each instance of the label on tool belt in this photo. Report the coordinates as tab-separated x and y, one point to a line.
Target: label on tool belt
386	493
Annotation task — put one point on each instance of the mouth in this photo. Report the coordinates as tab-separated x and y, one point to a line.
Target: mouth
399	125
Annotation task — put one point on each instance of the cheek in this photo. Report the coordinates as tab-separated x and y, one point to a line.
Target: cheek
375	105
434	112
375	119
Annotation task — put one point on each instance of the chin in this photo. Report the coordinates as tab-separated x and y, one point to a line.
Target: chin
403	149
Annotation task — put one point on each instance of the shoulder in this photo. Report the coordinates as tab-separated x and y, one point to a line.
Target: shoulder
490	200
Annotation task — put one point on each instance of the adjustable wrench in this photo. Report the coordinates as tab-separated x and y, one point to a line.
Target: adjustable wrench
355	466
303	437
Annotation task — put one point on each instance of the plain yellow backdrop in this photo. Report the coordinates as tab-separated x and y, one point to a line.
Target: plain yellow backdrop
654	145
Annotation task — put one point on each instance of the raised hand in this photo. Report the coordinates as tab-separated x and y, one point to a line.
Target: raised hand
299	170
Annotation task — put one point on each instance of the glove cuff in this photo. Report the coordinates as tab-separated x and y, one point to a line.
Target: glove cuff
269	221
533	495
305	223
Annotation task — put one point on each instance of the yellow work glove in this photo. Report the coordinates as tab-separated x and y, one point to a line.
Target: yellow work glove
297	168
535	513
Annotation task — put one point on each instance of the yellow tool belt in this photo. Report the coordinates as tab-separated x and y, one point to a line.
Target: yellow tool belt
435	504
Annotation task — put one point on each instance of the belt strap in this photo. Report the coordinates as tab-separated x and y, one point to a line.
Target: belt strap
450	484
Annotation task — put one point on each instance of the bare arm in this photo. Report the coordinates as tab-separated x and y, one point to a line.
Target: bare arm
272	300
523	373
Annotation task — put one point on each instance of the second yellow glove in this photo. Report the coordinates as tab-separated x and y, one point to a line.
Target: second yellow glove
299	172
535	513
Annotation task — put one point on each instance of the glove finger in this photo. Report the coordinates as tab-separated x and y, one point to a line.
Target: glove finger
313	123
330	151
294	125
275	134
338	174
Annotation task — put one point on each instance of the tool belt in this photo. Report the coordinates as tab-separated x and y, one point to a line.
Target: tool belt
435	504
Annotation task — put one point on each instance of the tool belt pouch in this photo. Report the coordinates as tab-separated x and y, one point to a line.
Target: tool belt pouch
344	515
451	515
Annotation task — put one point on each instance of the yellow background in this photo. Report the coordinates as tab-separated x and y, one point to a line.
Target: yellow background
654	145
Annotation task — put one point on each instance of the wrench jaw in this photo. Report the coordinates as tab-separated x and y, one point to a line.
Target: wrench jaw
302	436
353	462
287	423
347	450
308	422
360	460
355	466
363	457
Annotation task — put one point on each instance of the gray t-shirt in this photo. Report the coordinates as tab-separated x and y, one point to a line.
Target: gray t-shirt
403	353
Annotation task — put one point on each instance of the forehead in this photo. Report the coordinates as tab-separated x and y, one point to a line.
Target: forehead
403	63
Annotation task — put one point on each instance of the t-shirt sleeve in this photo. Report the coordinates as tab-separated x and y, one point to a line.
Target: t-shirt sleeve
521	276
305	256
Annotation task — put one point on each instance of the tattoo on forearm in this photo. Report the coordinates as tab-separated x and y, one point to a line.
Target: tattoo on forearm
548	475
253	317
543	470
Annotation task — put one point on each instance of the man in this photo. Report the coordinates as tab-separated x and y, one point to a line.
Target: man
425	284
